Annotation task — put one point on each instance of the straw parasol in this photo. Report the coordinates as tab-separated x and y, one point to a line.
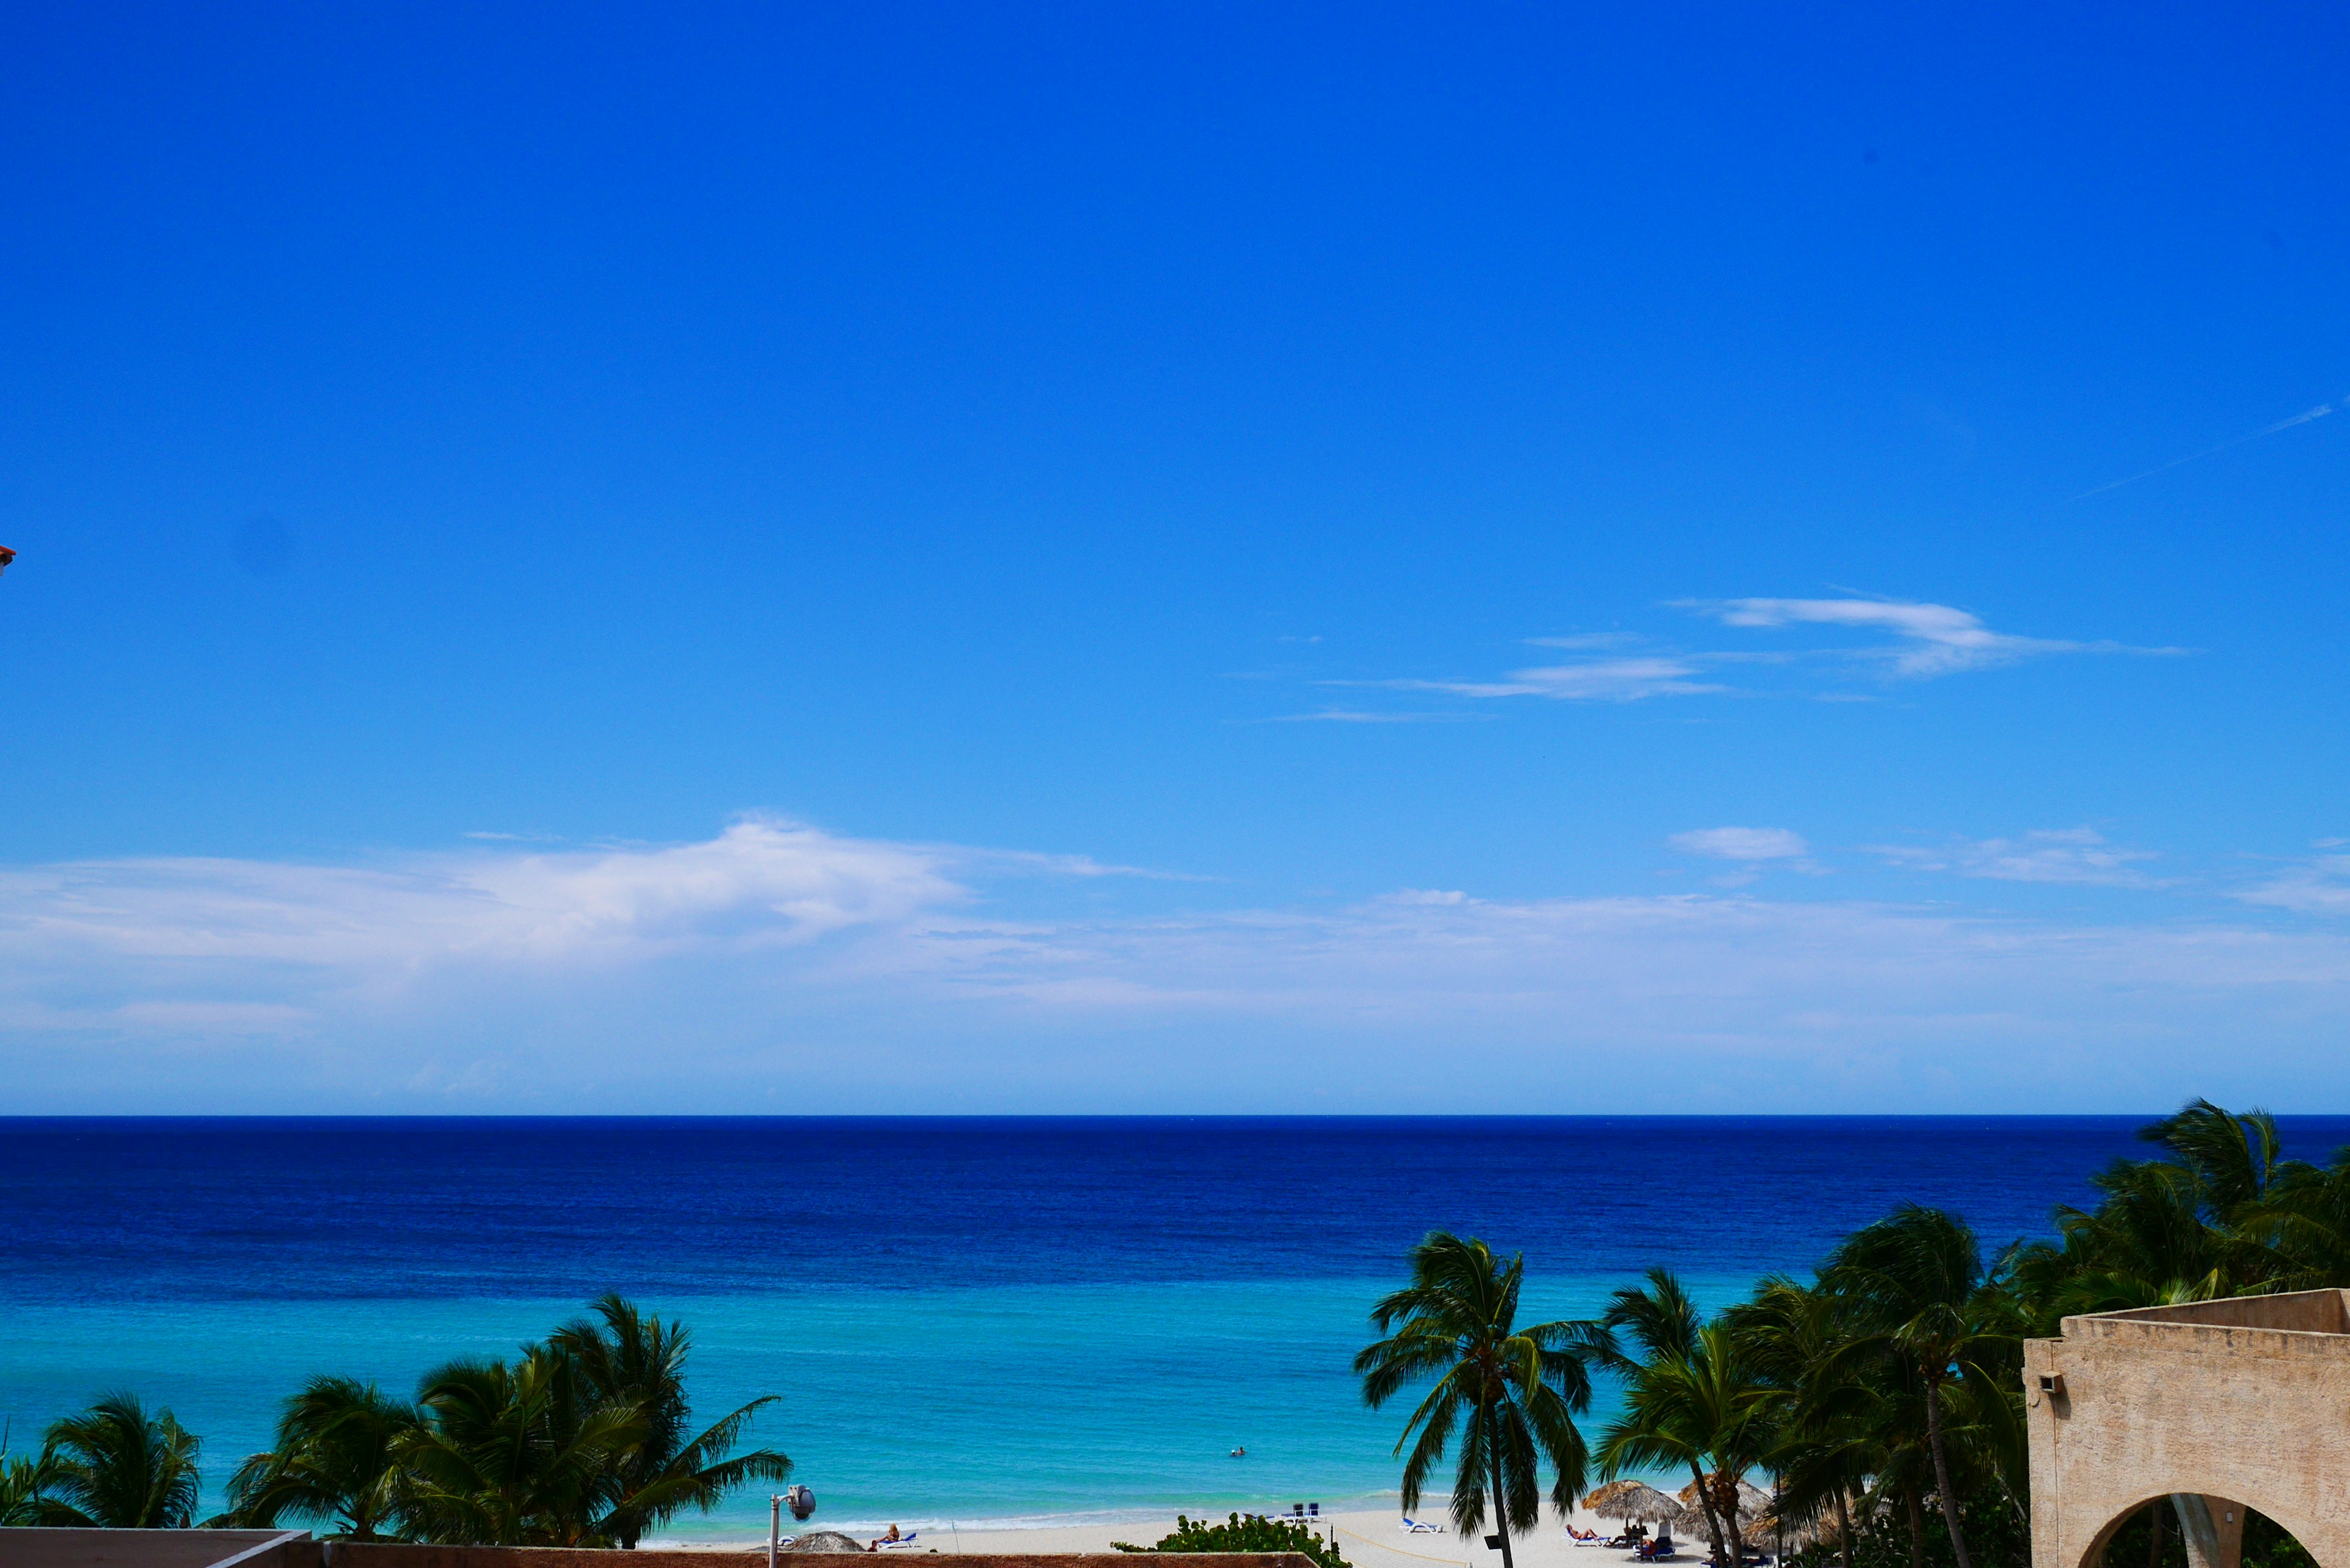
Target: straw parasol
824	1541
1754	1503
1634	1501
1820	1526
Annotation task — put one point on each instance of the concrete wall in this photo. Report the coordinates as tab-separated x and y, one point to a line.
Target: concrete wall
2296	1312
156	1548
2215	1399
357	1555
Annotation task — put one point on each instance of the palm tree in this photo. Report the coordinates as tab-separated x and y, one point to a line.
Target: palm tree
1916	1283
1821	1448
623	1357
336	1457
1510	1393
1706	1410
513	1455
2306	1215
26	1481
1663	1325
115	1467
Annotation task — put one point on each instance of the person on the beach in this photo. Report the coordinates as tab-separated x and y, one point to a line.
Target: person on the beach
878	1539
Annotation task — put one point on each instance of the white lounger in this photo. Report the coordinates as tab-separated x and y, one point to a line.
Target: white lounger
1414	1527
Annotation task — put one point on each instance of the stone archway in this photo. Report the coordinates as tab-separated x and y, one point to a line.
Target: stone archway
2222	1404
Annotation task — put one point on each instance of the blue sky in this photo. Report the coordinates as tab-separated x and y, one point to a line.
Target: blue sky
1119	559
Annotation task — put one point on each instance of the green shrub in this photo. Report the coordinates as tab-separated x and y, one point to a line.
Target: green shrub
1251	1534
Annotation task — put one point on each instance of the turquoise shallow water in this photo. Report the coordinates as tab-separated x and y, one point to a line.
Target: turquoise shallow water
985	1404
974	1320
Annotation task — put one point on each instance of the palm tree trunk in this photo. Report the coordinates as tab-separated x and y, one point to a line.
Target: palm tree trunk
1705	1501
1843	1529
1493	1462
2154	1535
1942	1472
1737	1557
1916	1527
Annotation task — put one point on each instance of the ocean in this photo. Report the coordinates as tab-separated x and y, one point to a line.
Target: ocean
971	1320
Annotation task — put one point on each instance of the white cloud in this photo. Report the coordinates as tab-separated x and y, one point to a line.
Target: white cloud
1935	639
1927	640
1364	716
762	882
2317	885
1587	680
1742	842
779	967
2075	854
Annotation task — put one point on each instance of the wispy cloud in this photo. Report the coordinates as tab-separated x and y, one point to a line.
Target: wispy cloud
1918	640
1934	639
2074	855
1751	849
777	960
1588	681
1369	716
1747	844
2319	885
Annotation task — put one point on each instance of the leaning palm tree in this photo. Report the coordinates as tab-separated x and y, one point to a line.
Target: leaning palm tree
1706	1410
1820	1422
625	1357
1511	1394
1917	1283
115	1467
1653	1325
336	1458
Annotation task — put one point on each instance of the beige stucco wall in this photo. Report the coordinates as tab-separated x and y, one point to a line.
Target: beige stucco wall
2246	1402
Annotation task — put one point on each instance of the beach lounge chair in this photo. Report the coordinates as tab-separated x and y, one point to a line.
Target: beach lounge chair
903	1543
1414	1527
1586	1537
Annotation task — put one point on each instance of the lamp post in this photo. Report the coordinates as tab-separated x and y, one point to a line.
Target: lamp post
775	1526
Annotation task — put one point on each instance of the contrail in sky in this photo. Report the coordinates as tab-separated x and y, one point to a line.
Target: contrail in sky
2302	417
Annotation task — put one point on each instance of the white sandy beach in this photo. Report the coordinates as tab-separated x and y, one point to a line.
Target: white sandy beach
1368	1540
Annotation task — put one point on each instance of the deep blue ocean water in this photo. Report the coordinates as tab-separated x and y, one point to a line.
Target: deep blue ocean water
967	1319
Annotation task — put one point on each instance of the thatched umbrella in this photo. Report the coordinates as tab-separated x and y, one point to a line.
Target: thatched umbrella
824	1541
1636	1501
1754	1503
1820	1526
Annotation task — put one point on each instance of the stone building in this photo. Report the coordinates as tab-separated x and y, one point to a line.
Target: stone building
2216	1406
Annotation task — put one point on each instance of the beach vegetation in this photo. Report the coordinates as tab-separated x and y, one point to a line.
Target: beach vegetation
626	1357
1693	1400
25	1482
117	1467
1877	1405
1508	1395
515	1454
337	1463
585	1439
1922	1304
1249	1533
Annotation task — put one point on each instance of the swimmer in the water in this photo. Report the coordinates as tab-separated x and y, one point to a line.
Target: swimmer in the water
1238	1453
